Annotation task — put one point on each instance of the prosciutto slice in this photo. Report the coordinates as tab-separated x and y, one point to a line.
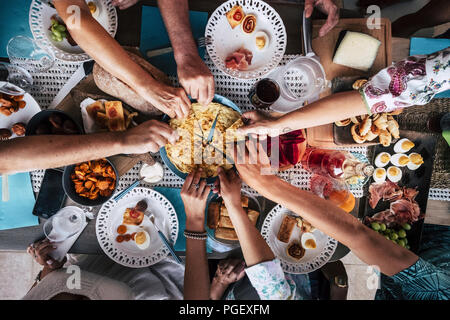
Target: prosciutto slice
405	211
388	191
239	60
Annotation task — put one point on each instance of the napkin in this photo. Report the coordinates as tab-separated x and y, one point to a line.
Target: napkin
88	123
154	36
13	22
174	197
63	247
427	46
18	211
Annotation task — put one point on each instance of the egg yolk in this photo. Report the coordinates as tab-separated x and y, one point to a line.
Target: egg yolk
92	7
379	173
416	159
384	158
140	238
310	244
393	171
407	145
403	160
260	42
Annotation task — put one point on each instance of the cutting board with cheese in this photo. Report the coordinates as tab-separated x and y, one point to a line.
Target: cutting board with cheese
325	48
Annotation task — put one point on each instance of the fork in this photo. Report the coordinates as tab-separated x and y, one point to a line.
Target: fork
201	42
164	240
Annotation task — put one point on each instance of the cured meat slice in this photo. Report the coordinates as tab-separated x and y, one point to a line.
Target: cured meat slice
239	60
388	191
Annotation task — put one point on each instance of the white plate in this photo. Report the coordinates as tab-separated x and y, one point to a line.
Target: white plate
225	40
40	22
312	260
127	253
23	115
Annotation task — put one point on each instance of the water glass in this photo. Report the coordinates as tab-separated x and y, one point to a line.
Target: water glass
25	52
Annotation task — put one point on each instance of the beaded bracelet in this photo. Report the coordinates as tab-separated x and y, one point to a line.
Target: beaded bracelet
195	235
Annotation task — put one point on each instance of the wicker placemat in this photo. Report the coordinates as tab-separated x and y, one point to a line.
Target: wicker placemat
416	118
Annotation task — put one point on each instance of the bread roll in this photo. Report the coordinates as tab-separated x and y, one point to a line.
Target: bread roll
116	88
253	216
213	215
226	234
286	228
225	222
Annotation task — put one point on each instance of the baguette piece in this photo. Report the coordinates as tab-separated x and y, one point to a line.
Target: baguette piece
225	222
111	85
213	215
226	234
286	228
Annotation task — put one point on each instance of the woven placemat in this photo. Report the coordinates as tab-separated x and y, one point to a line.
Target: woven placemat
416	118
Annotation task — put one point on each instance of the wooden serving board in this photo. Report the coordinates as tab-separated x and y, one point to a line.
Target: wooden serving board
324	47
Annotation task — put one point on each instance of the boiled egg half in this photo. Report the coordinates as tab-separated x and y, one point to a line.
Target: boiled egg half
309	241
379	175
382	159
415	161
142	239
400	159
261	40
394	174
403	145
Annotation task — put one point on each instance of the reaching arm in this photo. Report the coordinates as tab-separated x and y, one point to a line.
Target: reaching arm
254	247
108	53
368	245
194	75
42	152
196	276
326	110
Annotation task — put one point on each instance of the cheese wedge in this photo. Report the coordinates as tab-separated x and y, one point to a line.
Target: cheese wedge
357	50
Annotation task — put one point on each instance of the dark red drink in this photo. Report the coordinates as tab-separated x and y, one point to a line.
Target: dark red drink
324	162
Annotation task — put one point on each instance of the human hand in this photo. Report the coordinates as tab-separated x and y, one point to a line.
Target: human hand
148	136
196	78
228	185
329	8
259	122
194	194
172	101
40	251
124	4
228	271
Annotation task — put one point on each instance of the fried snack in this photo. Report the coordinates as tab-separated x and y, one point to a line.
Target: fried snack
393	127
343	123
11	104
358	84
253	216
286	228
213	215
306	226
18	129
396	112
131	216
114	112
235	16
381	121
356	135
93	179
295	250
5	134
385	138
225	222
225	234
249	23
365	126
95	108
373	133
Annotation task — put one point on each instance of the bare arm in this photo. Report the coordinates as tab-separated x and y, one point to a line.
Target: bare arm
367	244
254	247
326	110
108	53
196	276
194	75
42	152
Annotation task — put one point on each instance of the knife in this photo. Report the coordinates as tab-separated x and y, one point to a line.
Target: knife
82	71
217	149
211	131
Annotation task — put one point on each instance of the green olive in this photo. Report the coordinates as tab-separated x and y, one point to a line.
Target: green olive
394	236
402	243
60	28
375	226
54	38
57	33
406	226
387	237
402	233
383	227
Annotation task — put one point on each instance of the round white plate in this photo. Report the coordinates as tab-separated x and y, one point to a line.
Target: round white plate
312	260
127	253
23	115
225	40
40	22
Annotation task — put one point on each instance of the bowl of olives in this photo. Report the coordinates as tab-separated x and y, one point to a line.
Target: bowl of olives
52	122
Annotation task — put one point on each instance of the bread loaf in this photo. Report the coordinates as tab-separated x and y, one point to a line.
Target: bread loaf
226	234
116	88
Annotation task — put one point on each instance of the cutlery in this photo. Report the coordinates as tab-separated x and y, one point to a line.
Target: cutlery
128	189
164	240
217	149
211	131
201	42
11	90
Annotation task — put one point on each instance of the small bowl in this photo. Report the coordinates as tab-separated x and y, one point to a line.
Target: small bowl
69	188
43	116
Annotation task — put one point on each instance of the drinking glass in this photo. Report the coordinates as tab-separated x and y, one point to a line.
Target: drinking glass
333	190
26	52
64	224
16	75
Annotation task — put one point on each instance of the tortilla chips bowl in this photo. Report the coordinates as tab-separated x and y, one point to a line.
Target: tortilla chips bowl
190	152
90	183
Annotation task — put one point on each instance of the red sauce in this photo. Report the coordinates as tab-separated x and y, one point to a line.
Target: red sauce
238	15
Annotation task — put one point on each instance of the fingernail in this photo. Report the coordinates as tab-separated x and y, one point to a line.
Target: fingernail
49	261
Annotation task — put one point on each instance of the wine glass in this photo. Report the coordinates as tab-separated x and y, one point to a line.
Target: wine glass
25	51
64	224
16	75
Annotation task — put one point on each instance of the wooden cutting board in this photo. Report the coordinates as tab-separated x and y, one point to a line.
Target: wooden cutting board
324	47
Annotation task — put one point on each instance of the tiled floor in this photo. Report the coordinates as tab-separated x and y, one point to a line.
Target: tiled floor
18	270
